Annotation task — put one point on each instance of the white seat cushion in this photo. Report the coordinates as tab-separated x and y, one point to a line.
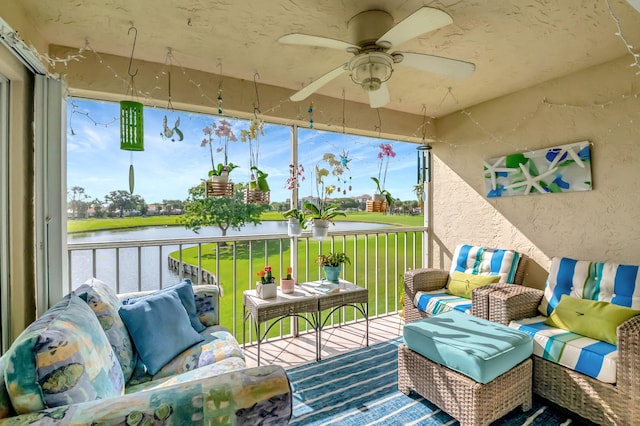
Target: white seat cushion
582	354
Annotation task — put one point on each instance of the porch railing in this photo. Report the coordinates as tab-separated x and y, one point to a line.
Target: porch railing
379	259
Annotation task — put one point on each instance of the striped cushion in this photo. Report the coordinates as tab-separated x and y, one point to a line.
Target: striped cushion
485	261
437	302
601	281
582	354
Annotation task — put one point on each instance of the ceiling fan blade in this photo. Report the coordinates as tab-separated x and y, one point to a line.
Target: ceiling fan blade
422	21
379	98
317	84
447	67
316	41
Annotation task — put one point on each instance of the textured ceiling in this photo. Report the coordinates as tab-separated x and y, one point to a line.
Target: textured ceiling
514	43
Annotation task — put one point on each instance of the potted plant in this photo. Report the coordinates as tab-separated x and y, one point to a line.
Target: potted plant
296	222
266	287
225	135
221	172
287	285
381	194
322	215
332	264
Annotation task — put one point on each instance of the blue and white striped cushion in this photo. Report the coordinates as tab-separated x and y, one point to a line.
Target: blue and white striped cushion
607	282
437	302
485	261
582	354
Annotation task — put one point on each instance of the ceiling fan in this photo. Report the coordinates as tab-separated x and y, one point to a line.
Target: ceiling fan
372	35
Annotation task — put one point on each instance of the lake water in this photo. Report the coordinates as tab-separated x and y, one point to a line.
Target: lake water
153	261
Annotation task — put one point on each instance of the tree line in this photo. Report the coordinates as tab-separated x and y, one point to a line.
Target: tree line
119	203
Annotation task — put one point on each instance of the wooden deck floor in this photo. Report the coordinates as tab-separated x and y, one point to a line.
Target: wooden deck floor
300	350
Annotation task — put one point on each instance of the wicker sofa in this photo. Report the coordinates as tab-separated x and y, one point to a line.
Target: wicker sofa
431	284
82	363
612	396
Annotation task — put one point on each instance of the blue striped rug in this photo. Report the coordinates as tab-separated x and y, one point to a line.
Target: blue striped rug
360	388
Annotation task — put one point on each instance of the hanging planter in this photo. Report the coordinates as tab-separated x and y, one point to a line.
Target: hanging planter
258	191
373	206
219	189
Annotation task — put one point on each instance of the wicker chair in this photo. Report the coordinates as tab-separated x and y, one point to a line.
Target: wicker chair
602	403
428	279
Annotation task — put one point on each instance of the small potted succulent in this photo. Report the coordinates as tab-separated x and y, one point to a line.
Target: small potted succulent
266	287
287	285
332	265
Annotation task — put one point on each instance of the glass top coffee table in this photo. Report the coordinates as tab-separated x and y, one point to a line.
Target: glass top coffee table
306	299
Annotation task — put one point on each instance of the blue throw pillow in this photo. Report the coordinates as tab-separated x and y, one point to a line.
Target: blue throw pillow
160	328
185	293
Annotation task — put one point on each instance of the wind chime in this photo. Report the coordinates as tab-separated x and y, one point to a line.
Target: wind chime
168	132
258	191
131	119
424	162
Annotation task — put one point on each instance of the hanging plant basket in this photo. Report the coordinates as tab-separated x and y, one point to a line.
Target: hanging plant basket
377	206
255	196
219	189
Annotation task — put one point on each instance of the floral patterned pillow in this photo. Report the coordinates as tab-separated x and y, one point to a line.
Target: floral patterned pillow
62	358
105	304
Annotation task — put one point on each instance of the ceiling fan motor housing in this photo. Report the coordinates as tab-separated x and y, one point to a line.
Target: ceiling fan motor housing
367	27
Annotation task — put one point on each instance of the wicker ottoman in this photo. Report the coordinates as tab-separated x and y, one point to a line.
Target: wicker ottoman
460	341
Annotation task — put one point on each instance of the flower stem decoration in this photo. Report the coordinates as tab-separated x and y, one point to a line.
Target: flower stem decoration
265	275
225	135
386	152
296	175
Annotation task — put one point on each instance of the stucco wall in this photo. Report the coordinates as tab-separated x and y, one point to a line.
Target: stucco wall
601	105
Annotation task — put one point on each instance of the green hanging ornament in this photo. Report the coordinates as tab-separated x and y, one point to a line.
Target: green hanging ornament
131	126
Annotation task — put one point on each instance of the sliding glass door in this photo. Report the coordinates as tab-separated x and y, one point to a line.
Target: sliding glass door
4	213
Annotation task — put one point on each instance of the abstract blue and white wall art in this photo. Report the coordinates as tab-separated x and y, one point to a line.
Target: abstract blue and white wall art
560	169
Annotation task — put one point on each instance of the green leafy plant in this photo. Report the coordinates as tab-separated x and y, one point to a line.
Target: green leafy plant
379	190
333	259
296	214
222	168
260	180
319	210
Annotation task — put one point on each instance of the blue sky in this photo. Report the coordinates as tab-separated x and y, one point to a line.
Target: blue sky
165	170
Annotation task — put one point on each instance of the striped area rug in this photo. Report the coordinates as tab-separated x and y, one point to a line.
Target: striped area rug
360	388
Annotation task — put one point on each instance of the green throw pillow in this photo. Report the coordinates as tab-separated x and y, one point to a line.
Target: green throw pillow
590	318
462	284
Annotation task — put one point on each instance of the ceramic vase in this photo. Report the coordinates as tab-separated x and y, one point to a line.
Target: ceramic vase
287	286
332	273
266	291
222	178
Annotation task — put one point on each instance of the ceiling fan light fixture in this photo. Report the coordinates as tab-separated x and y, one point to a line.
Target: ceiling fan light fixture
370	70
